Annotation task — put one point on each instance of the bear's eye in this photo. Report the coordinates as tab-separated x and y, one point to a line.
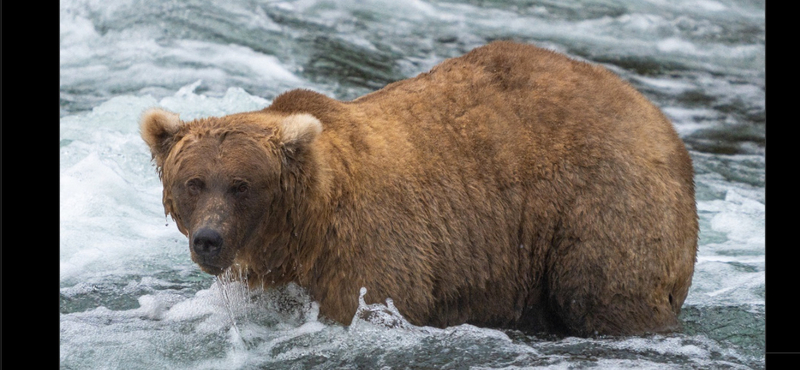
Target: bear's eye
194	186
242	188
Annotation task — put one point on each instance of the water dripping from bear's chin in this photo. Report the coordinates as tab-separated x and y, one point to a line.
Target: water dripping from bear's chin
235	295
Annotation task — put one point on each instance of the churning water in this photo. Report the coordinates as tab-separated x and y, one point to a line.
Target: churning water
130	297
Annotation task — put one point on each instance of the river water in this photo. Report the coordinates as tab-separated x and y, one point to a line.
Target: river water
130	297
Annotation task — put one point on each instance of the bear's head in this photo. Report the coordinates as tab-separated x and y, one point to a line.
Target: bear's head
233	184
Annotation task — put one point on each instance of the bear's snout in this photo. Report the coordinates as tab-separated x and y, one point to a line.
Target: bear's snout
207	242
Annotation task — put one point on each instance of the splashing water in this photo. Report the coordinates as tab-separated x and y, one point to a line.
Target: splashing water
235	294
376	314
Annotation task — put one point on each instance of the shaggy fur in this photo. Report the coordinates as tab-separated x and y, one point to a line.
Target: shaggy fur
509	187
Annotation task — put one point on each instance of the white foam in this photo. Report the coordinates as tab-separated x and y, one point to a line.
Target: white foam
690	120
665	85
673	45
662	345
731	270
711	5
190	105
233	58
131	59
742	219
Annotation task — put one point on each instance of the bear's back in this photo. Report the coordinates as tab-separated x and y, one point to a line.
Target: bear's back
513	100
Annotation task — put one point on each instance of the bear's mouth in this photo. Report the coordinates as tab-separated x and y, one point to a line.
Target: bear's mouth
213	266
211	269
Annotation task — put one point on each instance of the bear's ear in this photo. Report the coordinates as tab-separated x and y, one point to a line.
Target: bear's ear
158	128
297	131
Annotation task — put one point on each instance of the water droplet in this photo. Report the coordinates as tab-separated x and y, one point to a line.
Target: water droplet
361	294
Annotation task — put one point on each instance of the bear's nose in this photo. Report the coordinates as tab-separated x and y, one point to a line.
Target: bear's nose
207	242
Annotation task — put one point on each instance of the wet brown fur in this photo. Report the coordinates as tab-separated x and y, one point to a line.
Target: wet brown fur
510	187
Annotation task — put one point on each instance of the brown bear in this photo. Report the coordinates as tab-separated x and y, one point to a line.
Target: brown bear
512	187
